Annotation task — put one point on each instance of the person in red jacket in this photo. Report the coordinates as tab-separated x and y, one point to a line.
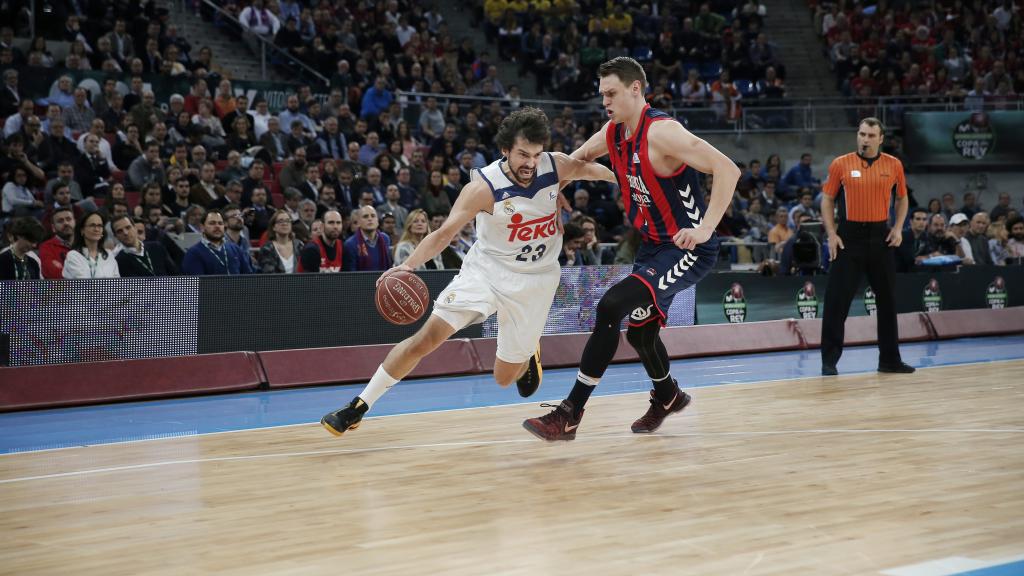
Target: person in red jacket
53	252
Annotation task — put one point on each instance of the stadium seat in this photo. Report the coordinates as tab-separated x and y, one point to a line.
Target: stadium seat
277	200
642	53
132	198
710	71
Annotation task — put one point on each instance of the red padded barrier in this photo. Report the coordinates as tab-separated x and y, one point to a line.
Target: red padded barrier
712	339
960	323
287	368
556	350
863	330
97	382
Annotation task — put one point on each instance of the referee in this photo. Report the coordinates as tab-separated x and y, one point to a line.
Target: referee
863	244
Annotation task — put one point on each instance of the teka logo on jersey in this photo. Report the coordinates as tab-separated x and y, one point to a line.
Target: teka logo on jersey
543	227
639	193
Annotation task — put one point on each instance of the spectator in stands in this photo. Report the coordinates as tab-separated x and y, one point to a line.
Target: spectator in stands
914	238
311	183
939	241
368	248
257	19
17	261
762	55
970	207
138	257
799	176
10	94
281	253
258	219
15	158
211	255
293	113
235	231
376	99
948	208
307	213
241	138
88	257
53	252
368	152
324	253
79	115
957	229
213	134
16	123
147	168
331	141
92	172
146	114
1001	209
392	206
780	233
127	148
18	199
374	186
56	147
434	199
726	98
207	190
98	128
977	239
1015	245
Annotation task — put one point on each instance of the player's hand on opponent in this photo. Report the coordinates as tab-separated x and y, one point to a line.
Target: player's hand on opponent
835	244
563	206
400	268
689	238
894	239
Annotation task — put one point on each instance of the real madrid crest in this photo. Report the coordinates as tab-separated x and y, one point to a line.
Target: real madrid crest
509	208
449	298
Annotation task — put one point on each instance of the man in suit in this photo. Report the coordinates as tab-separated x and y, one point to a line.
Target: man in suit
332	142
207	190
92	170
10	95
274	141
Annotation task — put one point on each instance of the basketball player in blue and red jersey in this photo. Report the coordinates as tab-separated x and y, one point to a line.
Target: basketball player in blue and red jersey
512	268
657	164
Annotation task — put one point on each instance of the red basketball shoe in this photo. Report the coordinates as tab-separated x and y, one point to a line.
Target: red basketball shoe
559	424
656	414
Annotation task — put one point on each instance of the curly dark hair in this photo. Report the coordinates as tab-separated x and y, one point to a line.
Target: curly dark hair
530	124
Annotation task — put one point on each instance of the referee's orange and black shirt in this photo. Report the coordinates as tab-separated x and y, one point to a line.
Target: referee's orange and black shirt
868	185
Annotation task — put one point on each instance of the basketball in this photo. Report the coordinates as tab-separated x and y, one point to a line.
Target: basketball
402	298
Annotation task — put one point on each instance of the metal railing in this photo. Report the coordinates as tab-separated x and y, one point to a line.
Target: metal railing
264	43
764	116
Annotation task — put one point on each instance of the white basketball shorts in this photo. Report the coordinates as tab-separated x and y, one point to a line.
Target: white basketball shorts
522	302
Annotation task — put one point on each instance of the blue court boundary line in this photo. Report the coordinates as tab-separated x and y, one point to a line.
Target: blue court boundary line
1009	569
203	415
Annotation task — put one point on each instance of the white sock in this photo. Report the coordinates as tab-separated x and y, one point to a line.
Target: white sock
379	384
588	380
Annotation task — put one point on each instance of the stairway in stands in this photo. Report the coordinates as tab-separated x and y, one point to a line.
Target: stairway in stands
789	24
234	56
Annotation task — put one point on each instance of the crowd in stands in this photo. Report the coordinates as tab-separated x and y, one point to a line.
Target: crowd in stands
696	55
116	178
967	52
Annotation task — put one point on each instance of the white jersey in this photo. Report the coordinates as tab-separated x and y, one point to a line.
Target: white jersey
521	234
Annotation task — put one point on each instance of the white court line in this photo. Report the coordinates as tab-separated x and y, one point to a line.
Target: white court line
948	566
175	435
497	442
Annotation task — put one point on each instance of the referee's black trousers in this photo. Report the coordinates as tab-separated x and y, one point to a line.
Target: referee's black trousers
865	252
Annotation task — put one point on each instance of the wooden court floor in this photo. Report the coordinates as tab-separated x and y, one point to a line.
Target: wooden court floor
851	475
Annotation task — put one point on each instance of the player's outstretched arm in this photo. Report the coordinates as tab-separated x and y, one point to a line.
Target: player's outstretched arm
475	197
594	148
570	168
670	139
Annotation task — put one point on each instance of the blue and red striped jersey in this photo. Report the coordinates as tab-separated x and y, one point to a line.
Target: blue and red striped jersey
658	206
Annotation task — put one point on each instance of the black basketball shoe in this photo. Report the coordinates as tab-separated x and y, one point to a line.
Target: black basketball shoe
345	419
656	414
530	380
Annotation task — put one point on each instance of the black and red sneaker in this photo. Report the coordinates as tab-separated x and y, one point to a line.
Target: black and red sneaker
530	380
656	414
559	424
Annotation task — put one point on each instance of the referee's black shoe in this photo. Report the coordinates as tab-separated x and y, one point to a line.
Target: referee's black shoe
530	380
829	370
345	419
901	368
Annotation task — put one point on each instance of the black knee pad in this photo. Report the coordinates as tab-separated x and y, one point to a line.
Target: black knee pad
643	336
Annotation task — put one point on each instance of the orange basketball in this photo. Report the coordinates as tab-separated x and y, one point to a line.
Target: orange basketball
402	298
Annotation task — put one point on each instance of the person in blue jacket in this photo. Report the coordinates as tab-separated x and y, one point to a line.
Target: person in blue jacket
212	256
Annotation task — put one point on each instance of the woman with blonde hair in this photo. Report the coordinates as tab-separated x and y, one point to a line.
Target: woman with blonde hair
281	252
417	226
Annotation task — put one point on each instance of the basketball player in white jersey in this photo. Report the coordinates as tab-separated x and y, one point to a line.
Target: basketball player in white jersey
512	269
